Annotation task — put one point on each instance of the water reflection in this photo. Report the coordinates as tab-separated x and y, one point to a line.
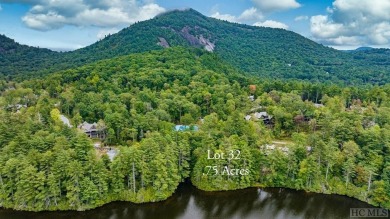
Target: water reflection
188	202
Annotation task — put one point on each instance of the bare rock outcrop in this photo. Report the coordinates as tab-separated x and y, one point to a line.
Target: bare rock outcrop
163	42
197	40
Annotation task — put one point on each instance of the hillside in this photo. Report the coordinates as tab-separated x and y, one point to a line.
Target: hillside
20	59
265	52
46	164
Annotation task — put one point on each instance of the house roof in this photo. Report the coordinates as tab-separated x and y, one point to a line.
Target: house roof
88	127
258	115
261	115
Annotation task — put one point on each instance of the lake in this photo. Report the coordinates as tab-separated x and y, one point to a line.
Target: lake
189	202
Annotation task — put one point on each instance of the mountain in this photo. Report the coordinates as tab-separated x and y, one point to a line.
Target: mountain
21	59
265	52
373	56
364	48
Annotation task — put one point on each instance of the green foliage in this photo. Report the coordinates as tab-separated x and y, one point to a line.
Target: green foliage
266	52
340	147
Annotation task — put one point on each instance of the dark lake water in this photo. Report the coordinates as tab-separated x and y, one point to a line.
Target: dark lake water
189	202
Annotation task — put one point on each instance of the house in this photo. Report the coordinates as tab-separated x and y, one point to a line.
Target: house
267	119
251	98
186	128
260	116
92	130
65	121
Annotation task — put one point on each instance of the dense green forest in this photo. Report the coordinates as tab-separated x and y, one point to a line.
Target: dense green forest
334	139
267	52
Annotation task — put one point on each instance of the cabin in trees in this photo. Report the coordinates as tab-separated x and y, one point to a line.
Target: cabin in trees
264	116
92	130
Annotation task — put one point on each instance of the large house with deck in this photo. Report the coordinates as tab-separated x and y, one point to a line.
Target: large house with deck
92	130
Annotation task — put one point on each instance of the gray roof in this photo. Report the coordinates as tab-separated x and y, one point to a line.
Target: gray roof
261	115
87	127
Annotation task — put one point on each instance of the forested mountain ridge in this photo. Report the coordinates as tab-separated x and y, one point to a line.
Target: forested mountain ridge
340	146
16	59
9	46
265	52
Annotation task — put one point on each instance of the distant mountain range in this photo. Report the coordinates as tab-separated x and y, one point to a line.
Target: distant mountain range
265	52
364	48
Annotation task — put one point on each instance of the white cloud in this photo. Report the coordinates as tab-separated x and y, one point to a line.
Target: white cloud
53	14
345	40
348	22
256	14
105	32
225	17
276	5
301	18
148	11
379	9
323	28
271	23
251	14
50	20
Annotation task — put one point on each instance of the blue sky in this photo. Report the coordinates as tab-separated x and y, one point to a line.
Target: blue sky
72	24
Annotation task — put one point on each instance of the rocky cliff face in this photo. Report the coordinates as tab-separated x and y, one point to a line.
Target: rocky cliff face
193	36
163	42
209	46
194	39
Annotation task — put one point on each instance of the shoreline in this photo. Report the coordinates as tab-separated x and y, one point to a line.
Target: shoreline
257	186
